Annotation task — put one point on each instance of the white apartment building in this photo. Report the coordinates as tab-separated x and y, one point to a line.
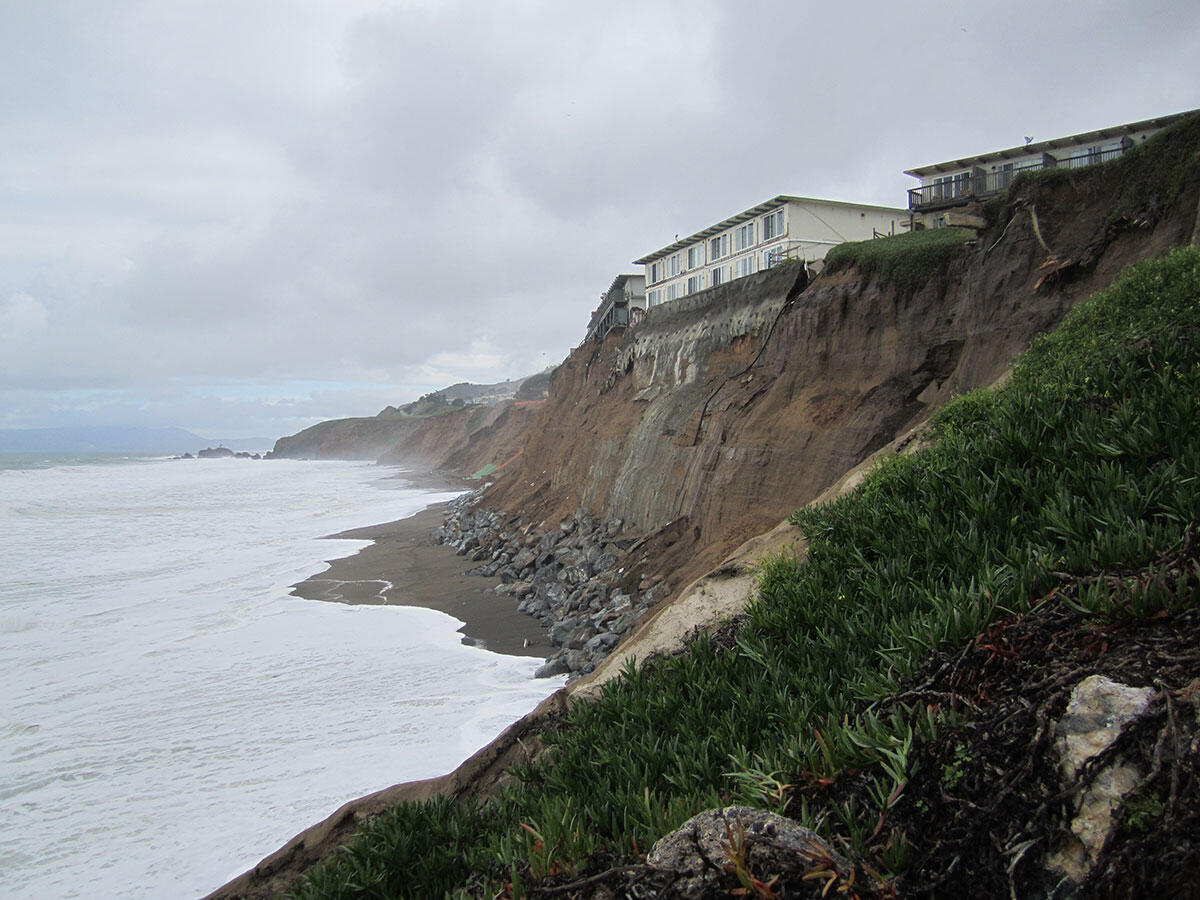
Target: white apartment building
783	227
959	181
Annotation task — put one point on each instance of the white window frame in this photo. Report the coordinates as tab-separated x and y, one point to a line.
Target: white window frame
743	237
695	256
695	283
672	265
772	225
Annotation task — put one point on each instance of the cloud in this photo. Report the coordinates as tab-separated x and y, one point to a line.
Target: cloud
21	317
385	193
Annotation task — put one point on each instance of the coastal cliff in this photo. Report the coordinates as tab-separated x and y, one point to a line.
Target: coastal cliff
714	418
455	430
707	425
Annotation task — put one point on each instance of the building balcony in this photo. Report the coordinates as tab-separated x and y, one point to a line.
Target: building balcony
979	184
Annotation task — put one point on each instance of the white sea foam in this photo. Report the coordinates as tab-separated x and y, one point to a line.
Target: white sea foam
168	713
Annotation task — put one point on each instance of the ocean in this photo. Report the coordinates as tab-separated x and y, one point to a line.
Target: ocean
168	713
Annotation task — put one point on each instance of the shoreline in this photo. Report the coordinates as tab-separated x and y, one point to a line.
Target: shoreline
403	566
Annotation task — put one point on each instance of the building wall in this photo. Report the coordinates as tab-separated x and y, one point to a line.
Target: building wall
802	229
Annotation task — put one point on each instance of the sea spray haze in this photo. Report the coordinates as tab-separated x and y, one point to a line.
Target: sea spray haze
168	713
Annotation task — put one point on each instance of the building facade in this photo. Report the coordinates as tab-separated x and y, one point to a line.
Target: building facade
619	306
758	238
960	181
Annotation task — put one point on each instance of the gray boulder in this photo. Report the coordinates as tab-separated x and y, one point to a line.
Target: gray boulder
555	665
602	643
706	850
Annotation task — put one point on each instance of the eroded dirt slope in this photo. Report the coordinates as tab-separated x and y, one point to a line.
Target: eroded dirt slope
717	416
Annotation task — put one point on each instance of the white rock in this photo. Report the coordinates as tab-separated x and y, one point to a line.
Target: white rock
1099	710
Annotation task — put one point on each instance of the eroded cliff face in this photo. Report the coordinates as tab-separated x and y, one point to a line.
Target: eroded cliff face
465	440
718	415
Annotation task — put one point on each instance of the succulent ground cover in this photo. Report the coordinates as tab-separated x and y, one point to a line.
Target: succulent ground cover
905	260
1073	492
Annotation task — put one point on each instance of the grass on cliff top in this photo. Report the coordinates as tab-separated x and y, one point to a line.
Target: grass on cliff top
1088	461
905	260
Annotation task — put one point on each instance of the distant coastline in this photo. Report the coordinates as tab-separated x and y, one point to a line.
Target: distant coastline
119	439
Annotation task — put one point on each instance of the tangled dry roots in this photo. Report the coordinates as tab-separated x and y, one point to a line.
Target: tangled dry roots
987	797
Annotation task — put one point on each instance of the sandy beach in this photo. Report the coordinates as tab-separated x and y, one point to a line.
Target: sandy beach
404	567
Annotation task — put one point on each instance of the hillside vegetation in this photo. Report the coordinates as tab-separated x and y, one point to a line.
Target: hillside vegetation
1075	485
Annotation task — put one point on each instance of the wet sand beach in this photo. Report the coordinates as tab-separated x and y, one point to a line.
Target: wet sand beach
404	567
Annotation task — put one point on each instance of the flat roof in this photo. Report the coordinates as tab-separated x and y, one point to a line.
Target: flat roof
764	207
1084	137
619	281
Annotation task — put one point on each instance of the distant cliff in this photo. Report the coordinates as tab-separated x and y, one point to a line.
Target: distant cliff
434	432
355	438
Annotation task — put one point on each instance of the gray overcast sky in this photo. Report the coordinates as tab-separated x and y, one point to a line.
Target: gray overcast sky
241	217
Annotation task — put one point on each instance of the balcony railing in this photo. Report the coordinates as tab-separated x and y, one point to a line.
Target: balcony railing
783	252
608	317
979	184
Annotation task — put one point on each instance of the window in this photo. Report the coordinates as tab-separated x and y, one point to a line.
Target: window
744	266
673	291
653	298
772	225
673	266
695	283
717	275
743	237
695	256
1004	177
947	186
718	246
653	271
